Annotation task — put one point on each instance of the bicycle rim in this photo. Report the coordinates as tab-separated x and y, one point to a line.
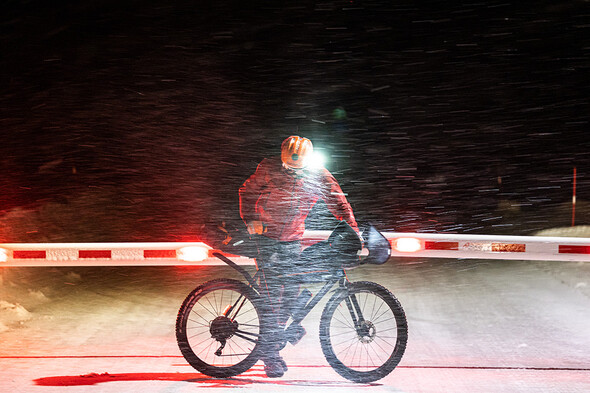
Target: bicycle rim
365	346
219	328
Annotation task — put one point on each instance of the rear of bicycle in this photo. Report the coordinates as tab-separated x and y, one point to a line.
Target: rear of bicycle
221	327
225	326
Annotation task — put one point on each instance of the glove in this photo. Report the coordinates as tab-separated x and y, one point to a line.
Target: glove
255	227
360	235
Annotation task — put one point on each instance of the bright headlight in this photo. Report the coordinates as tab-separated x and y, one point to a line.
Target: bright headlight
316	160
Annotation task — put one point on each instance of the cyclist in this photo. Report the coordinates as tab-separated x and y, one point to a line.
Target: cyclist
274	203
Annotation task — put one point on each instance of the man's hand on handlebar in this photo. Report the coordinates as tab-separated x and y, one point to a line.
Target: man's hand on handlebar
360	235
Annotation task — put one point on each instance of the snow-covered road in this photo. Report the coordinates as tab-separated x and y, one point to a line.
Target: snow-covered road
474	326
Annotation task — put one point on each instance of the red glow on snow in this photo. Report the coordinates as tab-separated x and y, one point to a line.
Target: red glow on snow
252	377
95	378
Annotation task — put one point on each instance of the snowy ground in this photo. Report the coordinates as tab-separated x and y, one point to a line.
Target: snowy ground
474	326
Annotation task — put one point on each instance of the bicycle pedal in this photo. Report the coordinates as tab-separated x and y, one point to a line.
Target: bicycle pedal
295	333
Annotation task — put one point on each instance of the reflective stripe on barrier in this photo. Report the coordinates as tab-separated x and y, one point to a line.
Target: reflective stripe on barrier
492	247
105	254
403	245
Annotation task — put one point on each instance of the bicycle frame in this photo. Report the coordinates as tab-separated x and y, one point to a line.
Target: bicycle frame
339	277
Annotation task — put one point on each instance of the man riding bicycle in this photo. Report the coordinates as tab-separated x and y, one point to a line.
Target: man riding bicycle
274	203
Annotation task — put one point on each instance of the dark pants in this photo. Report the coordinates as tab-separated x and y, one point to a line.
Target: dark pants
279	261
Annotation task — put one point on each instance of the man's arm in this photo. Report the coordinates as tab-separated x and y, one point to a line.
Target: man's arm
249	192
336	200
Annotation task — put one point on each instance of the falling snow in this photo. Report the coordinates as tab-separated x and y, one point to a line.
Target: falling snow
140	120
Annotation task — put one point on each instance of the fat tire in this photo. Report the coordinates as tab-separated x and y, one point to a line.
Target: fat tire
401	340
181	330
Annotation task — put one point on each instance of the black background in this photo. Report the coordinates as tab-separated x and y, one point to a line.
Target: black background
138	120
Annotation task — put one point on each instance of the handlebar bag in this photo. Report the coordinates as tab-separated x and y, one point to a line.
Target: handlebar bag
318	261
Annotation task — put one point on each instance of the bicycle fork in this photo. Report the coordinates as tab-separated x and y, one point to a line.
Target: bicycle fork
364	329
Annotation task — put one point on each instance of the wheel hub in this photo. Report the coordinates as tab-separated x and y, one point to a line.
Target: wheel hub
222	328
367	332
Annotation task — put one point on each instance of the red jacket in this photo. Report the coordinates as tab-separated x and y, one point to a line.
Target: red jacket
282	200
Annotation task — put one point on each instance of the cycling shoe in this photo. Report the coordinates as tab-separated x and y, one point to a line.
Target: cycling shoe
275	366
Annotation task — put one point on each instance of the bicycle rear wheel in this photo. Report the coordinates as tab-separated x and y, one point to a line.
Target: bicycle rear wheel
219	328
363	332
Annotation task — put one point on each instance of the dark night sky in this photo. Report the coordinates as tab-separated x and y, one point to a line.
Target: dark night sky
154	113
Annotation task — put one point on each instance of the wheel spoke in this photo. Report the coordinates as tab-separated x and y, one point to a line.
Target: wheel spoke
378	309
386	342
379	316
353	340
214	312
250	325
387	320
199	323
346	322
388	330
193	311
243	336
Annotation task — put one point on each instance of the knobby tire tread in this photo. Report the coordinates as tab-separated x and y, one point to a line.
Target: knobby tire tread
402	332
181	334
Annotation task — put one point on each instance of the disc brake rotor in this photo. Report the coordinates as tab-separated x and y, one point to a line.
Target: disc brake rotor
367	332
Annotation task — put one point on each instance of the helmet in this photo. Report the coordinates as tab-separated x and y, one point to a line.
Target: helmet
296	151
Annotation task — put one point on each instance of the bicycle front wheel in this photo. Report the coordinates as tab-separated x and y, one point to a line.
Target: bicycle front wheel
219	328
363	332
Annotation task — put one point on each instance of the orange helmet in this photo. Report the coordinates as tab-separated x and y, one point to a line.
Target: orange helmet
296	151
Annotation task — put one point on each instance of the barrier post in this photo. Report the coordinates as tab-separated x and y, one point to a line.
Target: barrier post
574	200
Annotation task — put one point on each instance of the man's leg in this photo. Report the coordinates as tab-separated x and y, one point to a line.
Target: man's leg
274	365
269	250
290	300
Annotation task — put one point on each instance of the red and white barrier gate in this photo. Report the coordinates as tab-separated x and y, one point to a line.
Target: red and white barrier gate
403	245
